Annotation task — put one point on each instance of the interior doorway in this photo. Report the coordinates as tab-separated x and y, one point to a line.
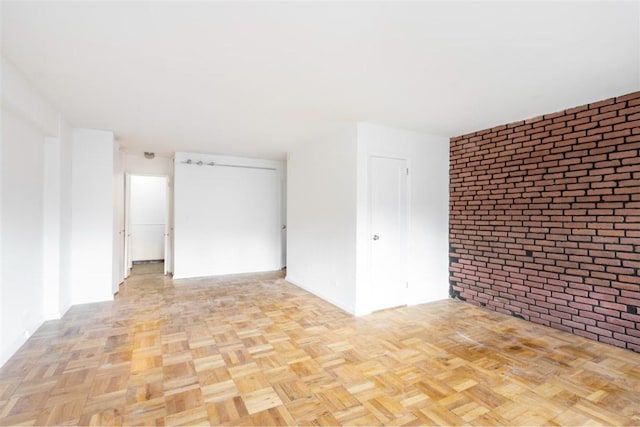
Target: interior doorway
147	220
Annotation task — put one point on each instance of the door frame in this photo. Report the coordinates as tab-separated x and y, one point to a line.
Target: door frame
370	231
168	228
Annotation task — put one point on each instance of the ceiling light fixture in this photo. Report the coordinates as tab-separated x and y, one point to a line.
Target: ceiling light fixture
149	155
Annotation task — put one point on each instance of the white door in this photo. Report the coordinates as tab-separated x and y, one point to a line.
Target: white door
388	178
119	248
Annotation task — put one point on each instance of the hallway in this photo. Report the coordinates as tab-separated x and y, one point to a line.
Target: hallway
140	269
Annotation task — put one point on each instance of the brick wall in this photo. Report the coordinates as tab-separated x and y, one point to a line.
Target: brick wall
545	220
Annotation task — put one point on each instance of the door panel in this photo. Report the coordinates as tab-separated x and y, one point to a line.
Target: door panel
148	217
388	178
118	248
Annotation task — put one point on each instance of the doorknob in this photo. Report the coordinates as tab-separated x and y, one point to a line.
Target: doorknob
376	237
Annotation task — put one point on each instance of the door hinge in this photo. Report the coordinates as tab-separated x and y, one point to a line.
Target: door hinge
407	171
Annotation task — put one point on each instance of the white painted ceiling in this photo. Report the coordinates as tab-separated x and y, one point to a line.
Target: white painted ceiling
257	78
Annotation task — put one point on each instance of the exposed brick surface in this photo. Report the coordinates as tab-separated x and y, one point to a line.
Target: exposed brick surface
544	220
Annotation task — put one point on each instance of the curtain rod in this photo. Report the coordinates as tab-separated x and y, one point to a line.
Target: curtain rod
201	163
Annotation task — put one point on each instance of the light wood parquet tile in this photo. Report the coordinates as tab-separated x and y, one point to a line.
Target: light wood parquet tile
255	350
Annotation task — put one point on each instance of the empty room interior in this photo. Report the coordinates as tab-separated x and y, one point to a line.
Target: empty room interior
320	213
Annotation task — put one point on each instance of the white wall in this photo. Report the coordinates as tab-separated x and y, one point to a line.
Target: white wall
227	220
26	103
27	119
428	161
56	274
22	231
52	228
3	334
329	239
66	170
321	218
92	216
56	212
148	217
4	354
139	165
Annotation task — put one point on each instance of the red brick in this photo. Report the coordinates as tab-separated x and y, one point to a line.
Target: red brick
612	341
599	331
545	223
630	110
627	338
628	97
605	102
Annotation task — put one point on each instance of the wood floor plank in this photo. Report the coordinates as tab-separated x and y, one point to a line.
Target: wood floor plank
255	350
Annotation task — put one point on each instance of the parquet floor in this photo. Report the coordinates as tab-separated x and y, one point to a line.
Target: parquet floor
255	350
